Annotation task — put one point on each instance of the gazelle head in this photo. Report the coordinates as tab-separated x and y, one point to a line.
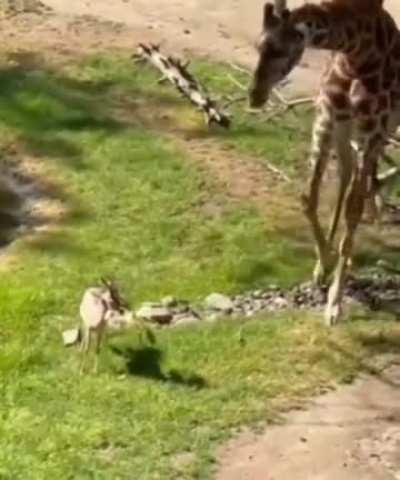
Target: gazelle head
118	314
116	302
280	48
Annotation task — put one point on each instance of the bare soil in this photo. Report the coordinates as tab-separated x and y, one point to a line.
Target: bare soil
352	433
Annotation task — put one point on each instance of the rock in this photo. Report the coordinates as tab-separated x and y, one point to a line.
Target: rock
212	318
155	313
71	337
267	295
257	294
169	302
222	303
185	319
280	303
182	461
258	305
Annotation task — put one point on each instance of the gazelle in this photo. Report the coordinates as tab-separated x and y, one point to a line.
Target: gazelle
101	308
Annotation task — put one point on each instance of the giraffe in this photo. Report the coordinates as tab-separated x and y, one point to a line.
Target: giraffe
359	99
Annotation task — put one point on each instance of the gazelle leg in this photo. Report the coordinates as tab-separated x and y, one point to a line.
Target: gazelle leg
321	144
85	346
99	341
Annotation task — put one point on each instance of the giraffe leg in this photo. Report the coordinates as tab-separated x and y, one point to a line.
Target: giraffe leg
321	144
353	211
372	213
354	206
345	167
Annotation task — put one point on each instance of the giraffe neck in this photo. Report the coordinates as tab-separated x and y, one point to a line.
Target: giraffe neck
339	28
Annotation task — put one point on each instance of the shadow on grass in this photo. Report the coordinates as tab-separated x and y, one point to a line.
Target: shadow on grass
45	113
146	362
376	343
43	106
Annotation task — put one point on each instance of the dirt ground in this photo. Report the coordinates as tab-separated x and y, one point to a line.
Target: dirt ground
353	433
225	30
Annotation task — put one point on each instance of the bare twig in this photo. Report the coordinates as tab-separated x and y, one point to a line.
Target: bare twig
283	107
279	96
240	69
232	100
277	172
176	72
394	142
300	101
237	82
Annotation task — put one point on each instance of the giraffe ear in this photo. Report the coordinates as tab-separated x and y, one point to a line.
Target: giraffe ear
280	7
285	15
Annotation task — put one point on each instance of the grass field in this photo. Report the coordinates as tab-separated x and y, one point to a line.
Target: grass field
135	207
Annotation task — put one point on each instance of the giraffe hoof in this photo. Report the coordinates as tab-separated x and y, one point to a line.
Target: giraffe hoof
333	314
321	274
305	203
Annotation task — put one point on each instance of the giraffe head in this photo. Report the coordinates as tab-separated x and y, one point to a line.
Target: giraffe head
280	48
331	25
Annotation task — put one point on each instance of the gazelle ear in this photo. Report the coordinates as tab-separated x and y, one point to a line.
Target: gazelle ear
107	283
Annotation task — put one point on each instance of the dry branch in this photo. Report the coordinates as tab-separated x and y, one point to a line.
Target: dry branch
176	72
236	82
240	69
232	100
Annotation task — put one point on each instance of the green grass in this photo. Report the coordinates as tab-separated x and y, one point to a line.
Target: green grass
248	134
136	211
184	395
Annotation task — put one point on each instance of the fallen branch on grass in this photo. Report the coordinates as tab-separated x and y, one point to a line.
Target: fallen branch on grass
275	170
176	72
240	69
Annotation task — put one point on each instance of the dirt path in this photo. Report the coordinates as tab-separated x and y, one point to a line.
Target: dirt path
225	30
353	433
350	434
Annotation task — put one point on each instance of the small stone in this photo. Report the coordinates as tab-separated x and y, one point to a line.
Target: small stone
71	337
257	294
258	305
222	303
212	318
155	313
280	302
169	302
183	461
185	319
